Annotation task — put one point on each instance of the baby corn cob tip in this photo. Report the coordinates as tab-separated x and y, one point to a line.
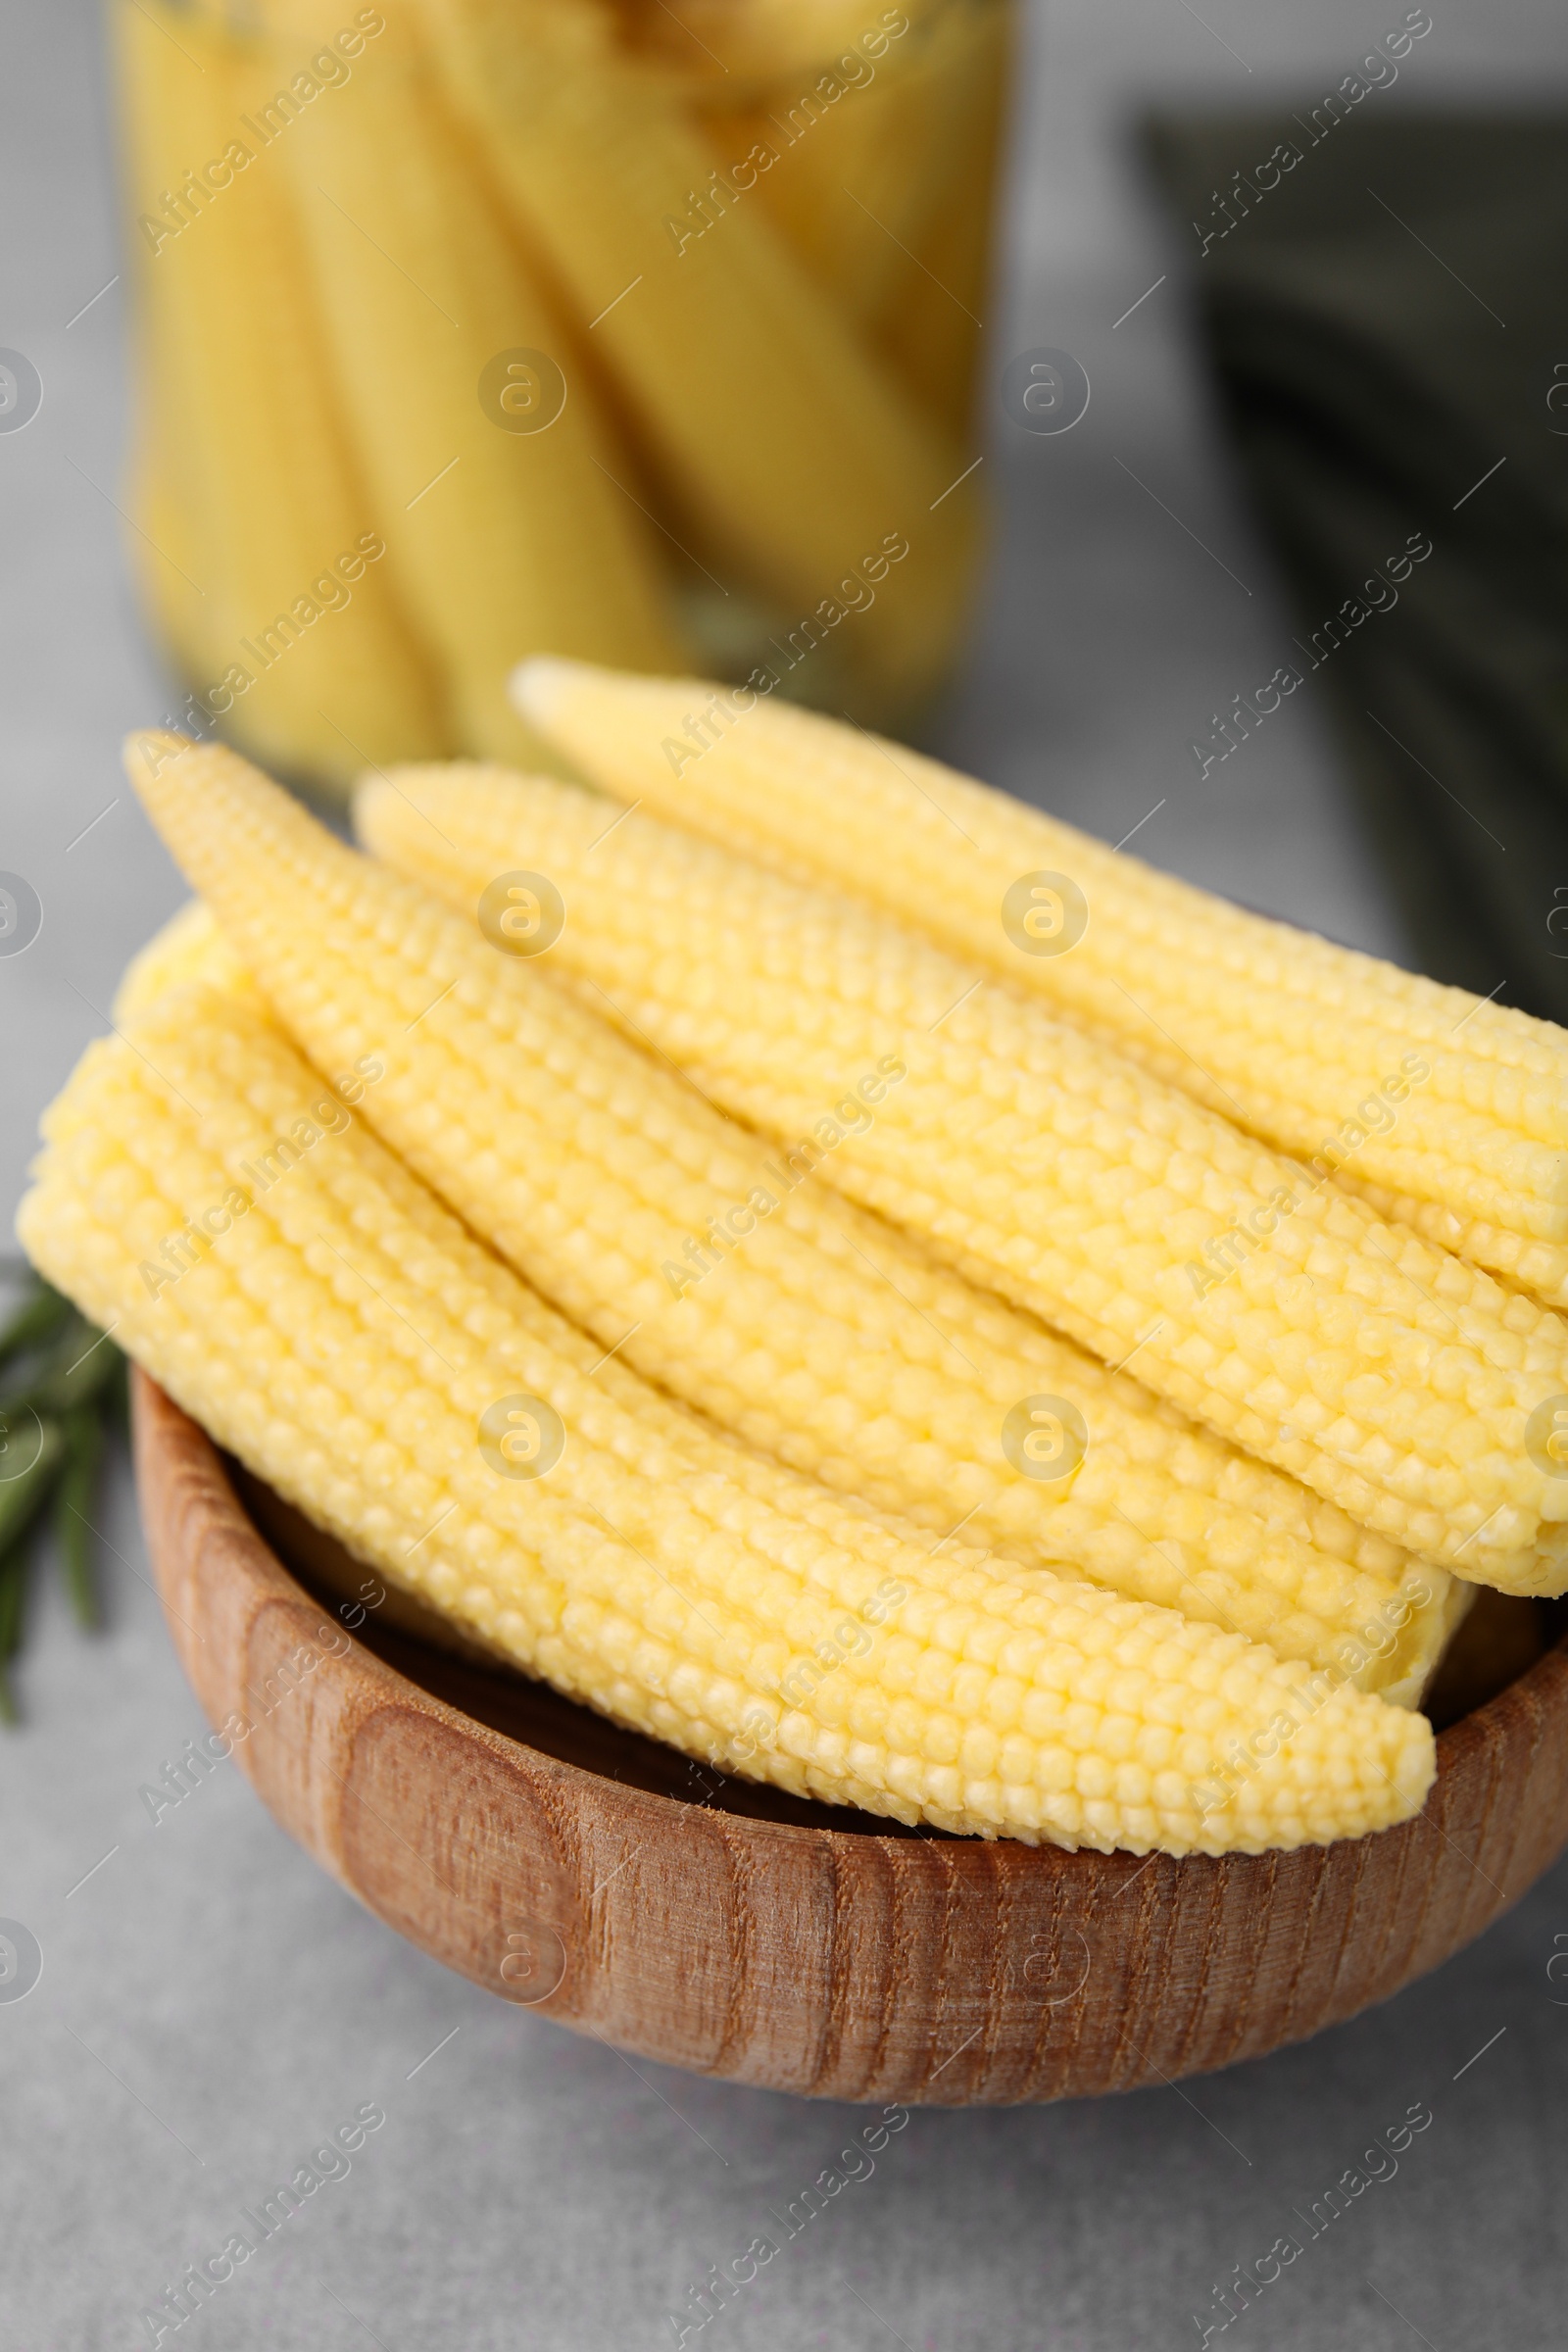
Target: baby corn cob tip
1329	1054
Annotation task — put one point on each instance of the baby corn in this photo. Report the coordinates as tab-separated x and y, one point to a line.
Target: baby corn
722	343
345	1338
1387	1376
1539	1267
809	1329
496	537
1288	1033
276	522
915	1415
188	949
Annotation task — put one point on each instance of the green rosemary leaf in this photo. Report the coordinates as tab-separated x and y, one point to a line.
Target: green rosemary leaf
79	1364
39	1448
70	1392
13	1600
33	1321
115	1397
73	1508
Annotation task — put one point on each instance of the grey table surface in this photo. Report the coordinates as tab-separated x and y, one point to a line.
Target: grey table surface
210	2006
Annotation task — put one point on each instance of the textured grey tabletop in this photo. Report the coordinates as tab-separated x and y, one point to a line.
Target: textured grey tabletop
210	2006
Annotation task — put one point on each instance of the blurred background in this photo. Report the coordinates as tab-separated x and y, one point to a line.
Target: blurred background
210	2004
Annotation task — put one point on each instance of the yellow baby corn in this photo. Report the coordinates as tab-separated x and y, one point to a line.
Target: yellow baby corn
1298	1039
497	536
345	1338
716	43
865	1362
870	151
720	344
167	562
811	1329
1539	1267
172	551
305	652
932	325
1393	1379
189	949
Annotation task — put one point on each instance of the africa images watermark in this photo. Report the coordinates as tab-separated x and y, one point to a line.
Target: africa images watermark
330	592
199	2282
198	1760
855	593
524	1437
1227	1252
1379	2162
722	2286
705	207
181	206
847	1639
1376	1639
727	1228
1378	592
1377	72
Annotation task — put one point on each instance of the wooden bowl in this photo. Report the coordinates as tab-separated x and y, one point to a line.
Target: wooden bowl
739	1931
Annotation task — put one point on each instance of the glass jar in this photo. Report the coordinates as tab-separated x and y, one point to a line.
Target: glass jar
470	329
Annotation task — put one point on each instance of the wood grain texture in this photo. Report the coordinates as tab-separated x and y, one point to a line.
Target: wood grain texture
739	1931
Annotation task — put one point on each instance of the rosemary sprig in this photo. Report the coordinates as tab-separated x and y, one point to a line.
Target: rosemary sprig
13	1588
62	1389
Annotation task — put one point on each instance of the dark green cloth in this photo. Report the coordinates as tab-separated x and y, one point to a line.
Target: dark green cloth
1386	323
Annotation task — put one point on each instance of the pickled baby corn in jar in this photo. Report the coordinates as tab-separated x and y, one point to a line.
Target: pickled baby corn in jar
470	329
